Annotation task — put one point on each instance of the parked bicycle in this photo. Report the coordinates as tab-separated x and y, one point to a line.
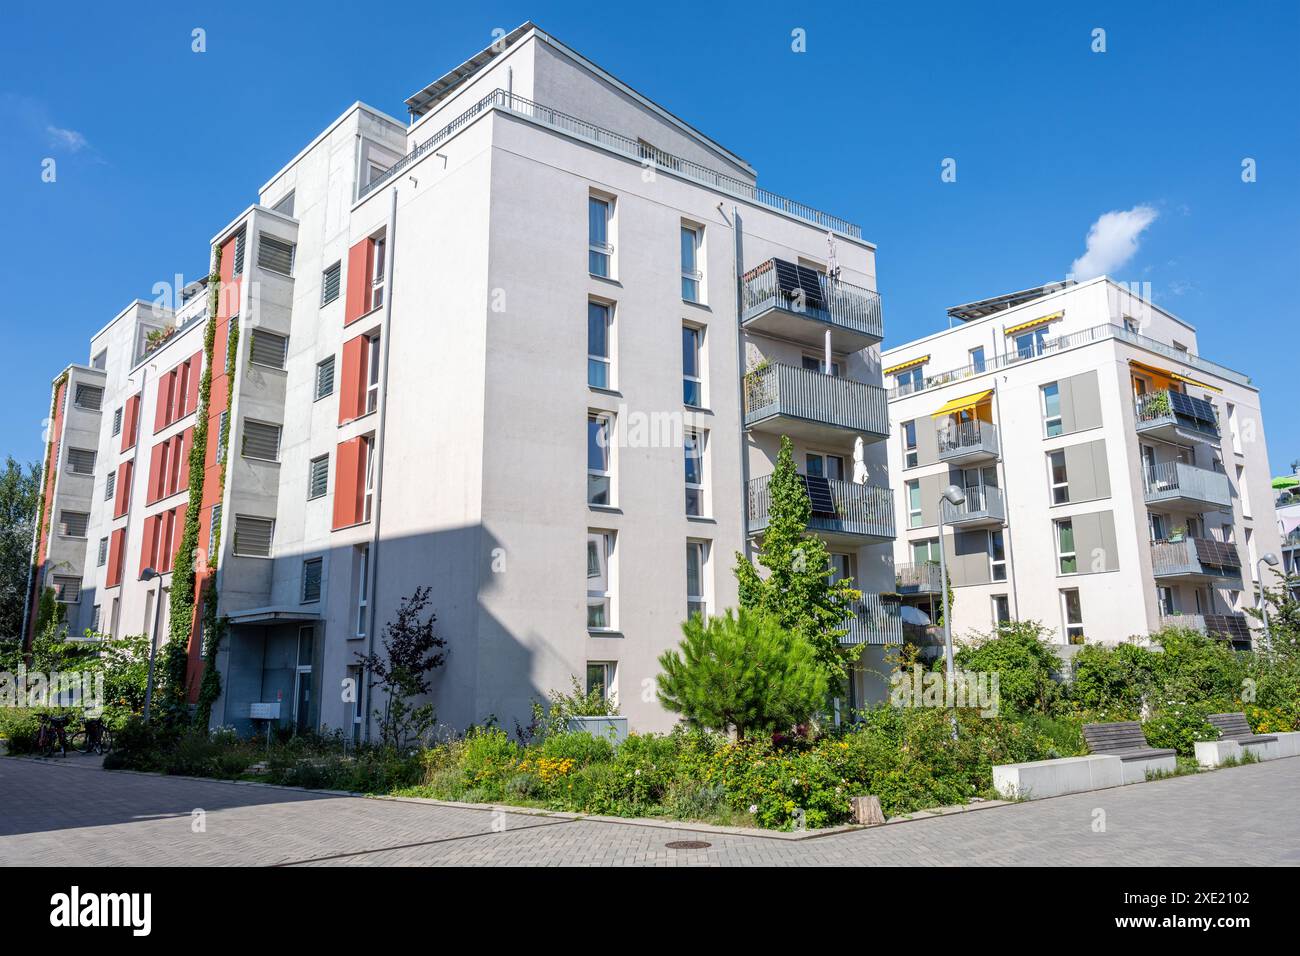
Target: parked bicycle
52	735
94	737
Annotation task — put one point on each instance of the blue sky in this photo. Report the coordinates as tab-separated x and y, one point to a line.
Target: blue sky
157	147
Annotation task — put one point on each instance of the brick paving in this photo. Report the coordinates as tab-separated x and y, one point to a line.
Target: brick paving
63	813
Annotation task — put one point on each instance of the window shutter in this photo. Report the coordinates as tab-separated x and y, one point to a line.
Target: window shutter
325	378
360	260
253	536
192	391
239	254
318	477
73	524
268	348
274	255
131	422
157	472
329	289
222	437
213	529
116	557
149	544
117	422
102	558
67	590
261	440
89	397
311	580
349	483
352	388
81	461
163	409
125	472
172	540
110	486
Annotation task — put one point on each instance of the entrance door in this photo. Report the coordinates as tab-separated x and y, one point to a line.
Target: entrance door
302	721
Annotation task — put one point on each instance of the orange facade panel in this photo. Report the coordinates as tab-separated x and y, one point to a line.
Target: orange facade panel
361	259
349	483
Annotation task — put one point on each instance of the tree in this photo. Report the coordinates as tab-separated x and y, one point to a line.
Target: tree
744	672
20	492
412	652
798	591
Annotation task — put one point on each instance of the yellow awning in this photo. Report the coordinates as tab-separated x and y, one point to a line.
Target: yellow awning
1191	381
963	404
908	364
1034	323
1168	375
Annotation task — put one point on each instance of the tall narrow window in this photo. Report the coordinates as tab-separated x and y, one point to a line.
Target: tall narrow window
820	465
914	504
102	559
600	678
1066	559
369	451
214	532
692	376
1072	612
598	342
1059	480
600	596
372	372
697	553
600	431
377	277
362	564
694	444
909	381
977	359
1052	409
599	248
223	436
997	556
117	422
1001	609
691	274
110	486
911	457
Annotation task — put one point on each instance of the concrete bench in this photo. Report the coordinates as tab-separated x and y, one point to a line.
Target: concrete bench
1125	740
1234	729
1039	779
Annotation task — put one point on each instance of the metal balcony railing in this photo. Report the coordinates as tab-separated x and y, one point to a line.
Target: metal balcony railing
1195	557
875	620
626	146
1234	627
983	505
783	391
1170	409
921	578
838	303
1179	481
859	510
966	439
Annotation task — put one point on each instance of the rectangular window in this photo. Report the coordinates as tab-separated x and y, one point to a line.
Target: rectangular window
214	529
329	283
253	536
110	486
692	376
914	504
268	349
977	358
325	378
599	248
368	449
1057	477
274	255
691	274
67	590
223	436
362	564
73	524
1001	609
1066	559
818	465
600	678
694	446
911	457
1072	612
318	476
261	441
1052	409
311	580
600	591
81	461
925	551
910	380
1031	342
817	363
697	555
598	345
1165	598
89	397
372	373
95	620
997	556
378	279
238	267
117	422
102	558
600	431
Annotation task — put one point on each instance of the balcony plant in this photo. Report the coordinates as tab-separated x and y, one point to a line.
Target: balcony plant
1157	405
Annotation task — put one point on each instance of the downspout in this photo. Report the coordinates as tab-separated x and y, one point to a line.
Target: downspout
1006	498
738	258
390	237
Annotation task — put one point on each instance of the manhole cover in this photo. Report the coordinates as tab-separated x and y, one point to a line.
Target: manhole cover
688	845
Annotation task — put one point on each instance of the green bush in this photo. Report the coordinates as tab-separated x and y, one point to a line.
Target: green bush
1112	679
1019	653
20	726
1179	725
581	748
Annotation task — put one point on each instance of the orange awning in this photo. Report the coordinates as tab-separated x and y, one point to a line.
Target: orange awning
963	404
908	364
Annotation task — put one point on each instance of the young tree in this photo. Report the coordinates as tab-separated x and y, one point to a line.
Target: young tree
798	591
412	652
743	672
19	494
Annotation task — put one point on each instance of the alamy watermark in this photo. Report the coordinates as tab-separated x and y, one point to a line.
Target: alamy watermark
84	689
919	687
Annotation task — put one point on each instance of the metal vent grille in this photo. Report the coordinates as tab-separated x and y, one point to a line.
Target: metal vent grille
261	440
81	461
329	289
274	255
268	348
253	536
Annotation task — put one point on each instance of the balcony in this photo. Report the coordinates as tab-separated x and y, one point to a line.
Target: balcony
875	620
813	406
984	507
968	443
918	579
1196	561
1176	485
1175	417
1232	627
800	304
843	512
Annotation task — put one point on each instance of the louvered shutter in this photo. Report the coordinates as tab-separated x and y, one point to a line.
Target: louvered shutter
253	536
268	348
261	440
274	255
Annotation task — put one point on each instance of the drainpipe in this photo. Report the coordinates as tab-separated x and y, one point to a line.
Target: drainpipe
390	243
1006	500
738	258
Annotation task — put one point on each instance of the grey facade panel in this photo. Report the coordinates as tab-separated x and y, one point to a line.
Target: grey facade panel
1094	542
1080	402
968	559
1087	470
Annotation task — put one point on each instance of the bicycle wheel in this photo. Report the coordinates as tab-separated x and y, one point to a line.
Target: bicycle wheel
79	742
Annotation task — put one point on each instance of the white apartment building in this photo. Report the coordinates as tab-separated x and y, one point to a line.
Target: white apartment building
1114	479
546	317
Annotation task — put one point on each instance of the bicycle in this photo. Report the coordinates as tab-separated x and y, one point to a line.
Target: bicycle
94	737
52	735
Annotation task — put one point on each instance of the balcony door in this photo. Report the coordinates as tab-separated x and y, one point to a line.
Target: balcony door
819	465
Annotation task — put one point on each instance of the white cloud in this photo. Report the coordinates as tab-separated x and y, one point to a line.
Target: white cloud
1112	241
68	139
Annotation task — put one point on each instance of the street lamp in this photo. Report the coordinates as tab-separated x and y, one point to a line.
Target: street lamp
148	574
955	497
1271	560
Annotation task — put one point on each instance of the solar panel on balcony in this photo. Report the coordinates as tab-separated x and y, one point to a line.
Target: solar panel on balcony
799	282
1194	408
819	493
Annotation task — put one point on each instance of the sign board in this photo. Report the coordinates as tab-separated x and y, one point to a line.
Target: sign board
264	711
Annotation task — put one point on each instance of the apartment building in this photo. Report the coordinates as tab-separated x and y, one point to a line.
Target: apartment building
1114	479
1287	502
544	317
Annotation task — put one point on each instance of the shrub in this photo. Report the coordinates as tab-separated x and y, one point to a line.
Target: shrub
1018	652
20	727
139	746
1114	679
579	747
1179	725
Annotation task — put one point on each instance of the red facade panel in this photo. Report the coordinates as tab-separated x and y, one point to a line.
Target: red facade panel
130	422
349	483
122	501
352	379
116	557
361	259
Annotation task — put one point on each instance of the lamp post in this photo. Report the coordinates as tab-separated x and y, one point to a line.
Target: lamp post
148	574
1272	561
956	497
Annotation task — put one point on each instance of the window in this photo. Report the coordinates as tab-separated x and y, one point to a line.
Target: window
100	361
318	475
600	599
110	486
1072	611
600	678
914	504
238	267
329	283
1066	559
819	465
1030	342
362	564
89	397
1165	598
925	551
311	580
368	449
598	342
997	556
817	363
694	445
117	422
697	554
274	255
377	277
67	590
600	429
372	373
253	536
692	377
325	378
909	380
691	274
73	524
977	358
102	558
268	349
1052	409
223	436
911	457
1057	477
599	248
94	619
214	529
81	461
1001	609
261	441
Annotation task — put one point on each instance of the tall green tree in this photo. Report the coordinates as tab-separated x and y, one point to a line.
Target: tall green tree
797	590
20	489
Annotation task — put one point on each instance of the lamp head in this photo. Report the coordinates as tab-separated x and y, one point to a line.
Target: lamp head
1270	559
954	495
148	574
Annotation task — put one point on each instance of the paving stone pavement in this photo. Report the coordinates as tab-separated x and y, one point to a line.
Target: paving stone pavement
73	813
